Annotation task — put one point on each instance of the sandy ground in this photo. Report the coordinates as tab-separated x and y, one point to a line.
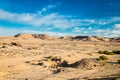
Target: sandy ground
14	58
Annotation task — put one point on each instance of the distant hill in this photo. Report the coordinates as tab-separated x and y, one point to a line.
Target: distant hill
91	38
71	38
33	36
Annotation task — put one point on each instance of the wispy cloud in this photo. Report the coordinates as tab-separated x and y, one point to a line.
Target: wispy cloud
117	26
39	20
36	20
114	32
49	7
108	20
12	32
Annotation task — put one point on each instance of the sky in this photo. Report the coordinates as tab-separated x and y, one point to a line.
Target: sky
60	17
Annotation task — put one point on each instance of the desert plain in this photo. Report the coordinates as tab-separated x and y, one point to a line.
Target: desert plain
42	57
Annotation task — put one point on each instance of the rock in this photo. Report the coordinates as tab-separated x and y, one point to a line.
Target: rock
34	62
64	64
14	44
117	79
40	36
86	63
50	62
57	59
3	47
25	36
115	39
80	38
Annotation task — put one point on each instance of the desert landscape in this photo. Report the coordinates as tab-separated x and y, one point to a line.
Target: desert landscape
43	57
59	39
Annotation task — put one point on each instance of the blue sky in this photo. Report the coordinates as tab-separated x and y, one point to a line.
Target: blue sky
60	17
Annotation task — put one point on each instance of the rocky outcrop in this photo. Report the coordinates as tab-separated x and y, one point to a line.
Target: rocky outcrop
40	36
25	36
50	62
71	38
86	38
116	39
80	37
33	36
87	63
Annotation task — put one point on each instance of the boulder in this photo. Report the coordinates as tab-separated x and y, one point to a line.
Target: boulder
87	63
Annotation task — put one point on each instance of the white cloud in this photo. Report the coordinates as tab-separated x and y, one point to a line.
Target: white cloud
117	25
115	18
47	8
12	32
106	21
36	20
102	22
77	29
44	9
97	32
107	32
81	22
51	6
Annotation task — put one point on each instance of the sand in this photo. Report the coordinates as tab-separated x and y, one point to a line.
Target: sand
23	58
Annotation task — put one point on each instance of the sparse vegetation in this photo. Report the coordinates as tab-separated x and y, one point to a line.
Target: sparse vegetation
118	61
109	53
51	57
104	63
14	43
106	52
102	58
116	52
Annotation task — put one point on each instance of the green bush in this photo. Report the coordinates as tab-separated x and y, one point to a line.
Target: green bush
106	52
102	58
51	57
116	52
109	53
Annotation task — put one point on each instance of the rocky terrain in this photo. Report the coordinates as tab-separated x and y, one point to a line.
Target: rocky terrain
43	57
